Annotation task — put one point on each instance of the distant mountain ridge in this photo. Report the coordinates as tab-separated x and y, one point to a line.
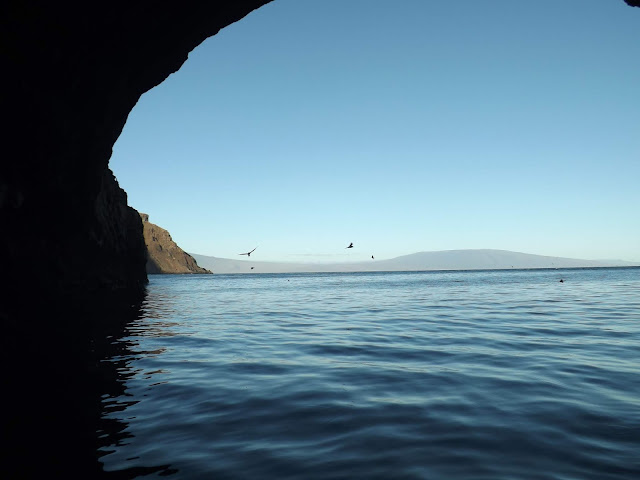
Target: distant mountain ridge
485	259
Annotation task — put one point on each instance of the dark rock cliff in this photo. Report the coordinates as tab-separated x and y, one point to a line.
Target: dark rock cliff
72	72
73	266
163	254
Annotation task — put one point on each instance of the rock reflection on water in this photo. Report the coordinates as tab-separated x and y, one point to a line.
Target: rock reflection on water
124	353
61	380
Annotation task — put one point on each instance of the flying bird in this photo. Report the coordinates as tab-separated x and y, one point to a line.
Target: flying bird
350	245
248	254
372	257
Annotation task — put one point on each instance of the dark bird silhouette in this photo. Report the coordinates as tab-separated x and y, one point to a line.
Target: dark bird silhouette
561	281
372	257
251	268
248	254
350	245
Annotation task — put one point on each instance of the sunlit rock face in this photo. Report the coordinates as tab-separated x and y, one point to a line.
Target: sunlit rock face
72	72
163	254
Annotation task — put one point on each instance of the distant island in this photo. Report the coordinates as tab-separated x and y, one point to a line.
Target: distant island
441	260
163	254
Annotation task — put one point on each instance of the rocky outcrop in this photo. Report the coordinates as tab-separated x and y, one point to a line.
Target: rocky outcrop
72	72
163	254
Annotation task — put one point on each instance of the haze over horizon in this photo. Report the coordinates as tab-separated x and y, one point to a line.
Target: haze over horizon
447	260
424	126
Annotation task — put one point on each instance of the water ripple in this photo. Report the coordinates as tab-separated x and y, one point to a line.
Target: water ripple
483	375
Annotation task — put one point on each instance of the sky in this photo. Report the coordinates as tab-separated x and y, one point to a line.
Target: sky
400	126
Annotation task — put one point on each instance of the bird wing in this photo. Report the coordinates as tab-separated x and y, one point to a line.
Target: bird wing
253	250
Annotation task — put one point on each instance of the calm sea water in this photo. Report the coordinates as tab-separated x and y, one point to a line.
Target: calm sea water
430	375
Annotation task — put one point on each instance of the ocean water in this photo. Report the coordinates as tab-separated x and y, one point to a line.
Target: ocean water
425	375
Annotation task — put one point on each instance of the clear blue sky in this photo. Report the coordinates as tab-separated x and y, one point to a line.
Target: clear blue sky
400	126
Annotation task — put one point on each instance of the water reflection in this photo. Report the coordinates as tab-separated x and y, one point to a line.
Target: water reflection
400	376
66	366
406	379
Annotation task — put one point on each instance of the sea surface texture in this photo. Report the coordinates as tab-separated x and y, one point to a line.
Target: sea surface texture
426	375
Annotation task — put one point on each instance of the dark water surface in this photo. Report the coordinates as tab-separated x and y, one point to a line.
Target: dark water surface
431	375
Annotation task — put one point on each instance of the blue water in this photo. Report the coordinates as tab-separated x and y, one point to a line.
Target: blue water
430	375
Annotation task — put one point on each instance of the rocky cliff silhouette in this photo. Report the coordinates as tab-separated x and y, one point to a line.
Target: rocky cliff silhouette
72	72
